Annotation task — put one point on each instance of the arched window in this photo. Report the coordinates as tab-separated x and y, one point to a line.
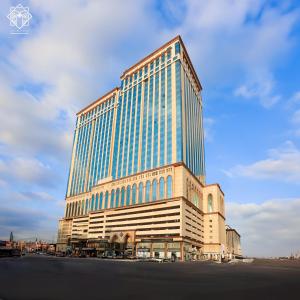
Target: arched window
106	200
86	206
195	200
154	190
133	194
141	192
128	195
97	202
210	203
82	208
112	199
161	188
93	202
169	187
122	196
100	200
147	191
78	208
117	197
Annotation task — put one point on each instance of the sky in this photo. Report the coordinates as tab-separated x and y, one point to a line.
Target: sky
246	54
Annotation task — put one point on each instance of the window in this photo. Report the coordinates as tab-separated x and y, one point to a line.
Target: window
141	192
177	48
210	203
169	187
147	191
161	188
82	207
128	195
195	200
92	204
112	198
122	196
134	194
101	200
117	197
96	204
106	200
154	190
86	205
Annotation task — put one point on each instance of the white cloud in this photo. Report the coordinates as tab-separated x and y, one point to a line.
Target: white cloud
29	171
261	89
238	41
271	228
282	164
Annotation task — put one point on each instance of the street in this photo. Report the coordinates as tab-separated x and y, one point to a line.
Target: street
46	277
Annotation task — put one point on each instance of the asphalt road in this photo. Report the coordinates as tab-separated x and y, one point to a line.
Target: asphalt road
42	277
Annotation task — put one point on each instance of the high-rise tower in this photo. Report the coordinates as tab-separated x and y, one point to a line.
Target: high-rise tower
137	177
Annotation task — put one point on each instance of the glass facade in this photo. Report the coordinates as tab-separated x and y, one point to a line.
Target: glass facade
154	119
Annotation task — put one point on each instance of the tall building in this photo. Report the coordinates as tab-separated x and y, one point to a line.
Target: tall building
137	176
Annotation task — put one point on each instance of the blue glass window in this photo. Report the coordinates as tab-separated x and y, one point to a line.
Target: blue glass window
101	200
112	199
141	192
128	195
134	194
97	199
154	190
117	197
162	120
122	196
92	204
169	54
177	48
161	188
144	130
149	129
148	191
178	113
169	187
86	205
169	116
106	200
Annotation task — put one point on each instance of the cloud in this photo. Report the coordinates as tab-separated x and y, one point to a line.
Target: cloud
282	164
261	89
26	223
238	41
29	171
271	228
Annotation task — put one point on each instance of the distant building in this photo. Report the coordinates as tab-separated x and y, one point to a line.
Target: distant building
233	243
137	175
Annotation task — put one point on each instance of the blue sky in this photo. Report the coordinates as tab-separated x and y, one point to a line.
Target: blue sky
246	54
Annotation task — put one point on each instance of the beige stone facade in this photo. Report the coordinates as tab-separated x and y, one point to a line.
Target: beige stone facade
233	242
137	176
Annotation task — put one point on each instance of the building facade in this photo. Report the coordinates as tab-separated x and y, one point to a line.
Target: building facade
233	242
137	176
